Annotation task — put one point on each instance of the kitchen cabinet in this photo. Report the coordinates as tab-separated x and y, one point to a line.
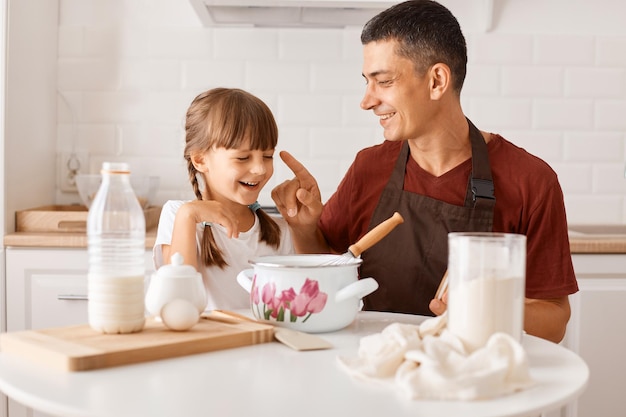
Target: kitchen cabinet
596	333
46	288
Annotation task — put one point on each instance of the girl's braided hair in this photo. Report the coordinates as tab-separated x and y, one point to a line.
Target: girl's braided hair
228	118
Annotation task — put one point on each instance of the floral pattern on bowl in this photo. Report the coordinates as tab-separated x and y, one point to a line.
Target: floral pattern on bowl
287	304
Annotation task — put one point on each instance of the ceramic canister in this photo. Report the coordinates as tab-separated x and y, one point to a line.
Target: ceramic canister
175	281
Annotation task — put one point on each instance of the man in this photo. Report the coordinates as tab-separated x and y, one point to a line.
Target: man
440	172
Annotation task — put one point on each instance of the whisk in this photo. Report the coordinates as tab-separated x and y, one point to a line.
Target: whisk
367	241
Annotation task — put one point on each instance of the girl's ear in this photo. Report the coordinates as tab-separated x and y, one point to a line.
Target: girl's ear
440	80
198	162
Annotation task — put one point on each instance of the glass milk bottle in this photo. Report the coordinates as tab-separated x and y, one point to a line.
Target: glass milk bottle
116	233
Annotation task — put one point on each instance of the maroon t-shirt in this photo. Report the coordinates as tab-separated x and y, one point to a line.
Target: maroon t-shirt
529	201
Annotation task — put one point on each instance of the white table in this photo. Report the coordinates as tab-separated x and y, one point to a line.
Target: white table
272	379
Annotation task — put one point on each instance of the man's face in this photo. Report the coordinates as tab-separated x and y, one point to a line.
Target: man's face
395	92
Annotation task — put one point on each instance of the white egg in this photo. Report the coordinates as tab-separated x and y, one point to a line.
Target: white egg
179	314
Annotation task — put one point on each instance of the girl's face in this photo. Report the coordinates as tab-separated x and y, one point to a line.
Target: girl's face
236	175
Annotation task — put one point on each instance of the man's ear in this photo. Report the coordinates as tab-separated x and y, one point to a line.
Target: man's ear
440	80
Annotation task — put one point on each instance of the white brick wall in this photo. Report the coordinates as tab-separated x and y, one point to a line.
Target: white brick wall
550	76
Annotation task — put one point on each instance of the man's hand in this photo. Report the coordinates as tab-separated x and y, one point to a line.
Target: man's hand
439	306
298	200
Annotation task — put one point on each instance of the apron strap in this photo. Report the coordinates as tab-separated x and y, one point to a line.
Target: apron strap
480	190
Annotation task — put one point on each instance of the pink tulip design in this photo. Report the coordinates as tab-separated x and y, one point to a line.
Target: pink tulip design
308	301
269	290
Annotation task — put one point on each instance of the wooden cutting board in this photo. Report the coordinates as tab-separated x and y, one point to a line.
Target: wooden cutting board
70	218
79	348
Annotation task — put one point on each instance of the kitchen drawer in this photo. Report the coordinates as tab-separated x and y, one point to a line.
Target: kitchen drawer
57	298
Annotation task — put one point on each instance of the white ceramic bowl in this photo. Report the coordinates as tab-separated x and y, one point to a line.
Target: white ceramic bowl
301	292
144	186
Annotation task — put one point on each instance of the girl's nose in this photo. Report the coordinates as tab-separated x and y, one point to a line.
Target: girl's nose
258	166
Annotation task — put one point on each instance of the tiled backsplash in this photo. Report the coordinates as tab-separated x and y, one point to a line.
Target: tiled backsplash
129	69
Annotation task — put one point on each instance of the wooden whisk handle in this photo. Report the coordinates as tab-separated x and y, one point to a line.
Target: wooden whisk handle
376	234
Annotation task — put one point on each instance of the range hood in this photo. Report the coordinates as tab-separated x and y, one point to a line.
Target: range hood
474	15
288	13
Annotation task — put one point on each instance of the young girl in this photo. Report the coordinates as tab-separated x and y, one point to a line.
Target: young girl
230	140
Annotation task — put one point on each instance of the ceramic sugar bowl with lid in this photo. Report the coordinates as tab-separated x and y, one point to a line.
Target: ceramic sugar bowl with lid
176	294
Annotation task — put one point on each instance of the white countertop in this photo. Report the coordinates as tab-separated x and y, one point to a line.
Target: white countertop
271	379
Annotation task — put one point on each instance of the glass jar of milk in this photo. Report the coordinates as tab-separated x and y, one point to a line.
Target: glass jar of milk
487	274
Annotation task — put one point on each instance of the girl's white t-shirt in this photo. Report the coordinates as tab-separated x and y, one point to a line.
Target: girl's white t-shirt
223	291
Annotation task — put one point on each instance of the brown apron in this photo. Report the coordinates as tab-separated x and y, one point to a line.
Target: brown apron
409	263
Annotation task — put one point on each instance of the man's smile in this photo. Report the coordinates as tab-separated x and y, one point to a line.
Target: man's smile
387	116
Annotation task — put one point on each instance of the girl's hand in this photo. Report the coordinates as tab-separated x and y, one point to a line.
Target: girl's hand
184	233
211	211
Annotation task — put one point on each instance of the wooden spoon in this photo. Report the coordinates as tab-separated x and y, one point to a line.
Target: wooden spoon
443	286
